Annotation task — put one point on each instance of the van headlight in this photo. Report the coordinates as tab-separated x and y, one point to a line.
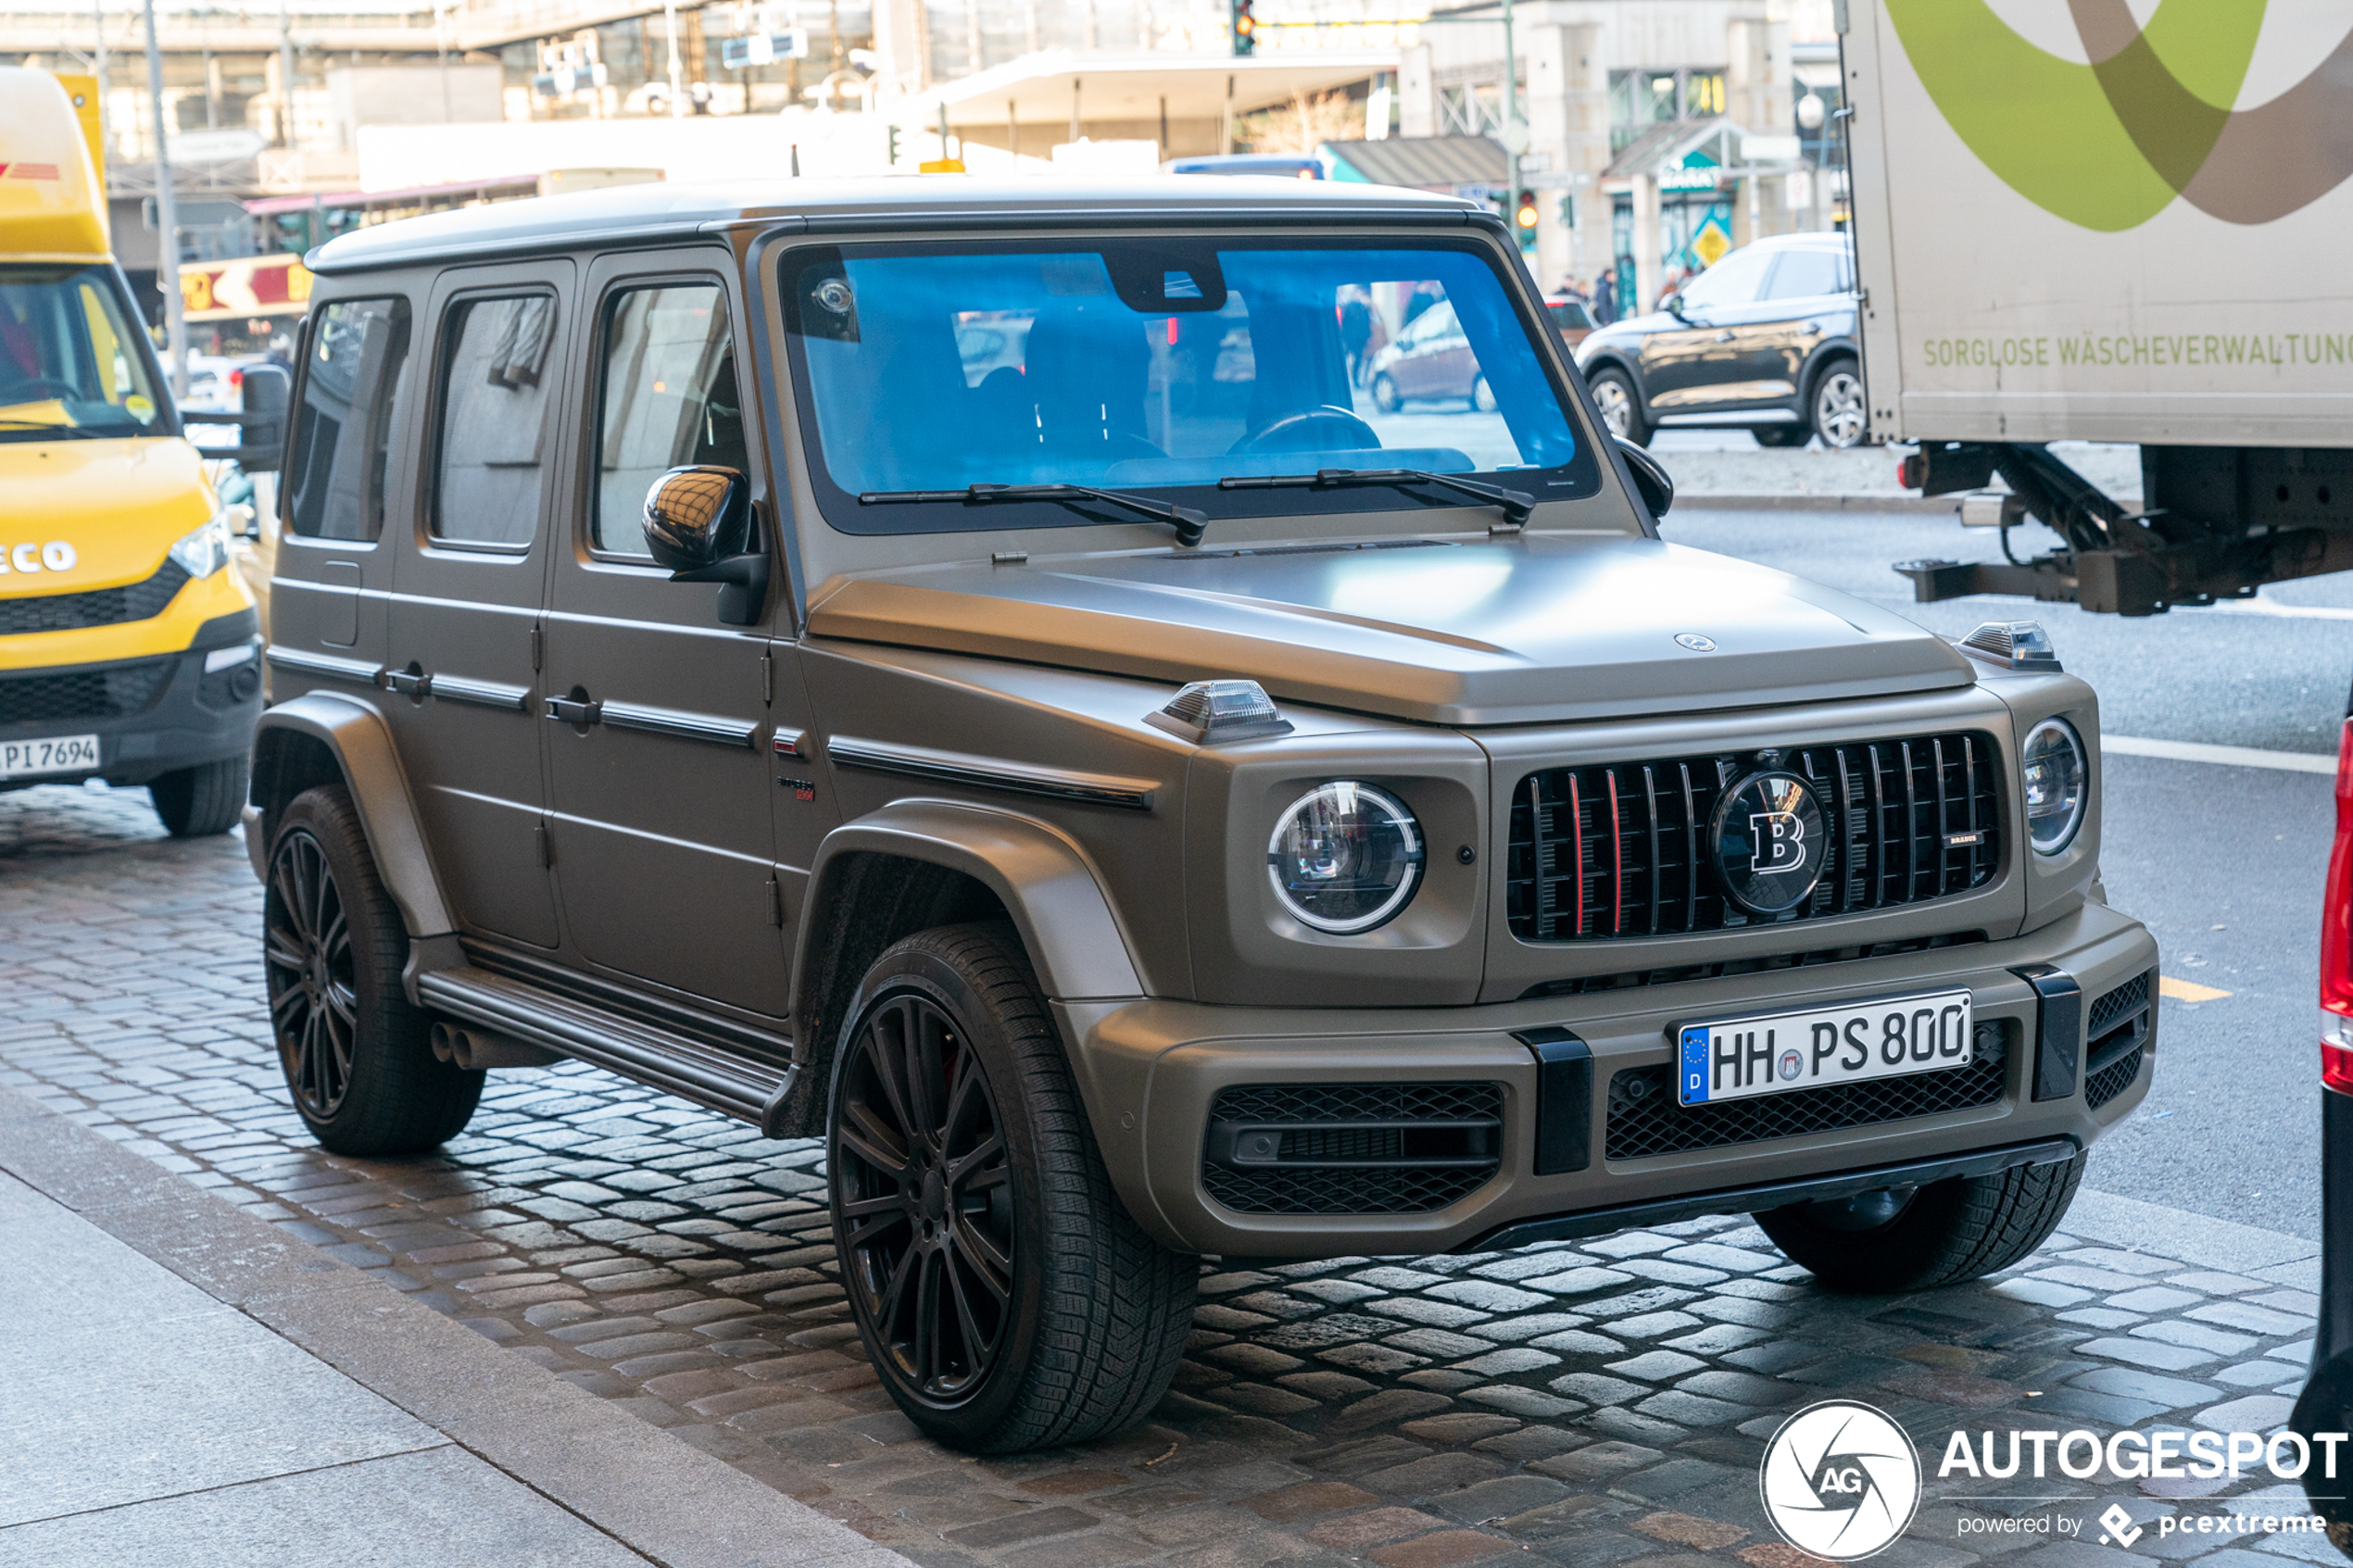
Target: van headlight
203	551
1345	858
2057	780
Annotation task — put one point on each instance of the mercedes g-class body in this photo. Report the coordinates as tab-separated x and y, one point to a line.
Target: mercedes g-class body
958	669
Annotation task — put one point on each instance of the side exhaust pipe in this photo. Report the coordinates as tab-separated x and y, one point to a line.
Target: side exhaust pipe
475	1050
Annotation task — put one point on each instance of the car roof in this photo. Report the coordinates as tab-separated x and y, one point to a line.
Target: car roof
1813	239
635	213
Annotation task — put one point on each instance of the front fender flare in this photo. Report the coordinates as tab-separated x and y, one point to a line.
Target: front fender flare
363	750
1044	880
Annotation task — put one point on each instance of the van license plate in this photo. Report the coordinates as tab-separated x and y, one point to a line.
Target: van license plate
58	754
1774	1053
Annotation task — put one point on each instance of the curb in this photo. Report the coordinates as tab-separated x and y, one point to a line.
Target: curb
1932	505
653	1492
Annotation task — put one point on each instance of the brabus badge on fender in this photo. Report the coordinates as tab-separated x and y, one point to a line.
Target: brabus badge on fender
1770	841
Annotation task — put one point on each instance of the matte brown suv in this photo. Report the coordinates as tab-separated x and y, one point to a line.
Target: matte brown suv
963	671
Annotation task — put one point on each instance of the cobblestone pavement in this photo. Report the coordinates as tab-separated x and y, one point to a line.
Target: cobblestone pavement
1591	1405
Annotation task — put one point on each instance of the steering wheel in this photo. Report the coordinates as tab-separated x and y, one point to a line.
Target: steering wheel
1308	431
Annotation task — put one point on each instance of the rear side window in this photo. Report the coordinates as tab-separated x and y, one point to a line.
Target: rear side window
670	399
359	352
495	386
1808	274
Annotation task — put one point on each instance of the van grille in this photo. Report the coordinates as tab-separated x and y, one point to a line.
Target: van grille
110	693
1620	850
1644	1118
99	607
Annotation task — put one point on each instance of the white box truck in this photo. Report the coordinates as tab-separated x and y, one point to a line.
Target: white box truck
2071	226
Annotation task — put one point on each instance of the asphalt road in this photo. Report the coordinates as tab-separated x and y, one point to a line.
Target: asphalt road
2225	863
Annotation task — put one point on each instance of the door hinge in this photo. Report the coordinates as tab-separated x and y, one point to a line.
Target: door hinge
776	904
535	649
768	678
546	849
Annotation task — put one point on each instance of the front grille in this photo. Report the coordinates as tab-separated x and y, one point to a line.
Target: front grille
112	693
1585	984
1352	1149
1645	1121
1618	850
99	607
2117	1038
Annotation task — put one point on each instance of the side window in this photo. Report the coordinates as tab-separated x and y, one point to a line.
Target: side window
359	352
494	421
669	399
1735	280
1806	274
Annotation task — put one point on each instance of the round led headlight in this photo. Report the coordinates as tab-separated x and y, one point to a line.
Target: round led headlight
1345	858
2057	780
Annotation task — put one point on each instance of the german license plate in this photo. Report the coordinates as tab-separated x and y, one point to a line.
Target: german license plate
1774	1053
57	754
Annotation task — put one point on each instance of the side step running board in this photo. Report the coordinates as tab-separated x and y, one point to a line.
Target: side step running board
748	1090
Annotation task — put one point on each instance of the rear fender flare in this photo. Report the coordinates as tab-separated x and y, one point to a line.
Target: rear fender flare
364	752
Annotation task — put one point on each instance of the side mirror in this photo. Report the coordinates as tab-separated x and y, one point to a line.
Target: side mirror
698	527
266	389
1650	478
1673	305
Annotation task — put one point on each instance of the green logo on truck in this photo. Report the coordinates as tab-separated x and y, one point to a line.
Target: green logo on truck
2112	144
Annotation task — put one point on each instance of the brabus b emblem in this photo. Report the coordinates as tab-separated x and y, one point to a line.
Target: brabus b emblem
1770	841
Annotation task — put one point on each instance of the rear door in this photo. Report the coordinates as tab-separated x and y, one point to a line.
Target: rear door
658	714
469	577
1701	363
1808	295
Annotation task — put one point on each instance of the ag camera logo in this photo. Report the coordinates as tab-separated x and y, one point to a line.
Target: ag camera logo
1839	1480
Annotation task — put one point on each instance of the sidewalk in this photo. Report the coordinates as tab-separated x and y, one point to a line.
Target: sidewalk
182	1384
1725	470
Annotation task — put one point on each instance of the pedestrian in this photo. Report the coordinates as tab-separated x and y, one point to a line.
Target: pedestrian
1604	306
1355	331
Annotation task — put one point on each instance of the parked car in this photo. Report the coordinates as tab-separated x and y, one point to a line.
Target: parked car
2326	1403
1764	340
1430	360
1127	809
1571	320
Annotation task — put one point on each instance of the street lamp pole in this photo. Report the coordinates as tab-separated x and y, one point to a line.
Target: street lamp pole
678	87
167	222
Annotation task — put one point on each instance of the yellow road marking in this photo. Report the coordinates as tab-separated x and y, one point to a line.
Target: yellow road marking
2187	991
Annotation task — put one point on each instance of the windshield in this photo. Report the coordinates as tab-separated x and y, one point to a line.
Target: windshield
1161	367
69	356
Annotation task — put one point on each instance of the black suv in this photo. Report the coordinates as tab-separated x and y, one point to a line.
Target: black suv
1764	339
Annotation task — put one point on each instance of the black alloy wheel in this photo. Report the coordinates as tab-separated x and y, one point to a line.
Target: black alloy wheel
313	986
927	1186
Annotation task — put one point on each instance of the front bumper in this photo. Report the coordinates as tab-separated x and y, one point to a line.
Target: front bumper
155	715
1150	1071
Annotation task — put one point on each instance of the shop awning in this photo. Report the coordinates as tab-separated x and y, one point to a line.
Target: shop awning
1429	163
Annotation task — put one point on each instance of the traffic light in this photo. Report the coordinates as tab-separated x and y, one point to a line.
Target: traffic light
1524	219
893	159
1245	28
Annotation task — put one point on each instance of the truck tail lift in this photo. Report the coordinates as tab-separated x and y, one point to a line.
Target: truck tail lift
2220	522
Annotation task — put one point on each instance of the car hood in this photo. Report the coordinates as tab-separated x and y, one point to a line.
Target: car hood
1543	628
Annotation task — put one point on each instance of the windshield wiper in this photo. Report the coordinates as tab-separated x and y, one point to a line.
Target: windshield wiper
1187	523
64	433
1517	505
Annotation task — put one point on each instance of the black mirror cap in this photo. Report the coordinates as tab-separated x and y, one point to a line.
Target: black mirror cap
264	392
1650	478
1673	305
697	516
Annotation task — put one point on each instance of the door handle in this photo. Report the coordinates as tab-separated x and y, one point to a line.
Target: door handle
569	710
411	682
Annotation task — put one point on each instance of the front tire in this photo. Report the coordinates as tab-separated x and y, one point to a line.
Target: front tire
1838	415
202	801
1621	411
356	1057
1482	396
1006	1298
1883	1242
1385	397
1782	436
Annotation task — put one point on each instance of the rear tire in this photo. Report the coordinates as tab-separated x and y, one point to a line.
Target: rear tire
1006	1296
356	1057
201	801
1835	411
1482	397
1621	411
1385	394
1883	1242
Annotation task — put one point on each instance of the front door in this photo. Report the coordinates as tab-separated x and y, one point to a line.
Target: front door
657	718
469	572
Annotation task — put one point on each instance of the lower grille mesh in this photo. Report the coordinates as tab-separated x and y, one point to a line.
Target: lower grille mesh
1316	1170
1645	1121
85	693
2113	1080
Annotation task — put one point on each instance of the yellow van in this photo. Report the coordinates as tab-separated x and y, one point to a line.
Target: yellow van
128	651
